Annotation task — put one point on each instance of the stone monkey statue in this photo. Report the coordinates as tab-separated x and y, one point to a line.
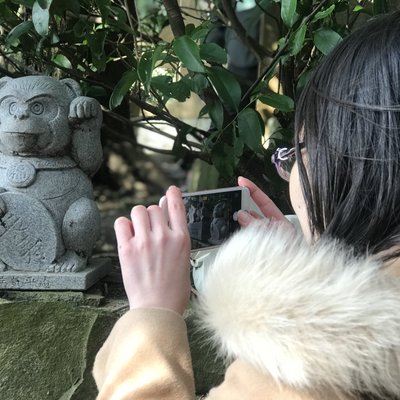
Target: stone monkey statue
49	147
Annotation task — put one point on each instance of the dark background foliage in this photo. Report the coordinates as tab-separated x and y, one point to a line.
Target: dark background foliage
143	60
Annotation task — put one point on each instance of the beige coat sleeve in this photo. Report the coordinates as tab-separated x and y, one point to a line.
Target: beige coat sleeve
147	357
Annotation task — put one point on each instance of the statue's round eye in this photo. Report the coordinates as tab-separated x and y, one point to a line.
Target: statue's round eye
37	108
12	108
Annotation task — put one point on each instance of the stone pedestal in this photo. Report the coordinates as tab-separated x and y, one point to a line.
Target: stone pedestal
96	269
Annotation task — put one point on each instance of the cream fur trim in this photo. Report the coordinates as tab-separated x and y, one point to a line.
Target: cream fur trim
311	317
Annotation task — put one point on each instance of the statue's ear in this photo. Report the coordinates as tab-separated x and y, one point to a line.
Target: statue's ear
5	80
73	87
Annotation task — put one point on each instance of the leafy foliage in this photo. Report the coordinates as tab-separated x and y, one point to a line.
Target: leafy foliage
116	49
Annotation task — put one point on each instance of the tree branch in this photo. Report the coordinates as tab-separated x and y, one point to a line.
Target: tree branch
175	17
167	117
148	122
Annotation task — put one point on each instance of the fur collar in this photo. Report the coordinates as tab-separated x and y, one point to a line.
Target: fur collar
311	317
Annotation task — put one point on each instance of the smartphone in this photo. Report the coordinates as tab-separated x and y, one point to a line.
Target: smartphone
211	215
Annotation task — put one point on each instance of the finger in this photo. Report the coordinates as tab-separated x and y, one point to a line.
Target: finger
140	220
256	215
245	218
123	230
158	222
264	203
176	209
164	207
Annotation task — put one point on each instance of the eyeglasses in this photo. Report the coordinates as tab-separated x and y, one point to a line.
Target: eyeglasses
283	159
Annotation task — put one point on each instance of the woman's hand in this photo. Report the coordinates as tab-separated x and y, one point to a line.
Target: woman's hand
154	255
264	203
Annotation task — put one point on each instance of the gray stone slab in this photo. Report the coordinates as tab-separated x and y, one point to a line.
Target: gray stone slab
96	269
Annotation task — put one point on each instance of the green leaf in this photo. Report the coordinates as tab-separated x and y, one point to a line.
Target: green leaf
122	88
176	90
146	65
128	53
13	36
201	31
358	8
216	112
223	158
203	112
40	19
200	34
288	12
251	128
213	53
180	91
188	52
238	147
197	82
119	26
81	28
189	29
96	43
326	39
145	68
279	101
62	61
104	8
324	13
119	13
298	40
226	86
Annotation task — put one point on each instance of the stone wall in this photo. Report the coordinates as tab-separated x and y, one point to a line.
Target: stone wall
48	341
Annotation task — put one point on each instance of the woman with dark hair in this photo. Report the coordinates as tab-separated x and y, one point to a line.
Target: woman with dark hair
301	316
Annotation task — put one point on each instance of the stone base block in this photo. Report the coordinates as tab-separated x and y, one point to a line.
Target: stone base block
97	269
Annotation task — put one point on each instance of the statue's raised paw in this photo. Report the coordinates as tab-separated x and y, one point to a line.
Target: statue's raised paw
84	108
69	262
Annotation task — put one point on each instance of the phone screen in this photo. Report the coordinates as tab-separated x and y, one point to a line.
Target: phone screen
212	217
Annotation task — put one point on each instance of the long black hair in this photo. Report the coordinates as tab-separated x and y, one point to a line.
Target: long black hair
348	117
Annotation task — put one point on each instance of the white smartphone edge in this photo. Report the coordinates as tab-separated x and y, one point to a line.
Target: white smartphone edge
245	200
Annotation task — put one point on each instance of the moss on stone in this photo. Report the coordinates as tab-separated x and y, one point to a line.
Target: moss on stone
44	350
48	343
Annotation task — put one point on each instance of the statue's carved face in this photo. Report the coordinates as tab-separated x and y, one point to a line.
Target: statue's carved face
33	117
